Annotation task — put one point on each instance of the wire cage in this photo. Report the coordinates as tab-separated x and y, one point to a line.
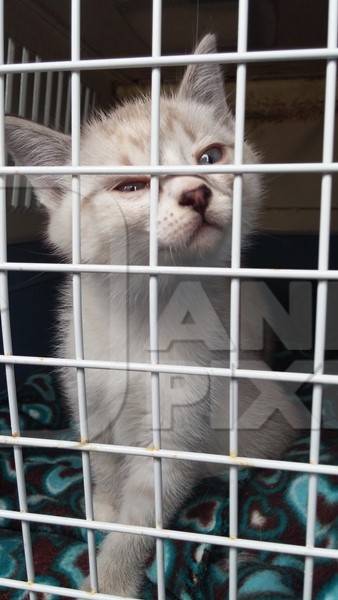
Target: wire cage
45	98
72	102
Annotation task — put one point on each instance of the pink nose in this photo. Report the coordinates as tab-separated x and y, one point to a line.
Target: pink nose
198	198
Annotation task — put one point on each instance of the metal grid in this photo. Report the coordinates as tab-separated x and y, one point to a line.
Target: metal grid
235	273
40	108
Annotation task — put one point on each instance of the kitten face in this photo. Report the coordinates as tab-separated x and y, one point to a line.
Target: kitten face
194	212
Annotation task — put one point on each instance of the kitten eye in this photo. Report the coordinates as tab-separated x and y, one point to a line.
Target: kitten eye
132	186
211	155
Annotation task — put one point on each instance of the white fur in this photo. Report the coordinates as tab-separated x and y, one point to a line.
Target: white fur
115	230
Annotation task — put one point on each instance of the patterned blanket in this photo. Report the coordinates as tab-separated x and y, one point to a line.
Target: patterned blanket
272	507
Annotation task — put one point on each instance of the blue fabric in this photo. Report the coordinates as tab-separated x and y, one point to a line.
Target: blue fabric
272	507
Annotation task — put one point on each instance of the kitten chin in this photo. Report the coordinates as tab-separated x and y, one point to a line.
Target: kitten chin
193	227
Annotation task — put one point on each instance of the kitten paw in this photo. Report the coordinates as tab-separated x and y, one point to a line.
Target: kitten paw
111	585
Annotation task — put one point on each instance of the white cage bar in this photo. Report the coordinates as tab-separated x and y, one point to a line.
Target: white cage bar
140	62
6	332
217	540
242	461
9	77
40	108
322	290
21	113
77	294
319	378
153	287
285	376
243	9
242	272
330	167
34	116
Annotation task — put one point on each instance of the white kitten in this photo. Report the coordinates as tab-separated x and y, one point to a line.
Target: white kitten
194	228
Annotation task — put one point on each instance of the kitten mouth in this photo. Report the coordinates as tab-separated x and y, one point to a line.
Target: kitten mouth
203	226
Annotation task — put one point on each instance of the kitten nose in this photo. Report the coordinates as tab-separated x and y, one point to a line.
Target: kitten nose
198	199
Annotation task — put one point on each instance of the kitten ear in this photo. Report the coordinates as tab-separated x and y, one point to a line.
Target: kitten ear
204	82
31	144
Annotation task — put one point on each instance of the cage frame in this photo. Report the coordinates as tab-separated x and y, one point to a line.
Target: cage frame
242	57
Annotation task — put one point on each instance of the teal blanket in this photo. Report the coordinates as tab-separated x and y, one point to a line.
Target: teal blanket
272	508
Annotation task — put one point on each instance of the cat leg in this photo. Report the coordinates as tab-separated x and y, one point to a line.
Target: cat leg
122	557
104	506
105	497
